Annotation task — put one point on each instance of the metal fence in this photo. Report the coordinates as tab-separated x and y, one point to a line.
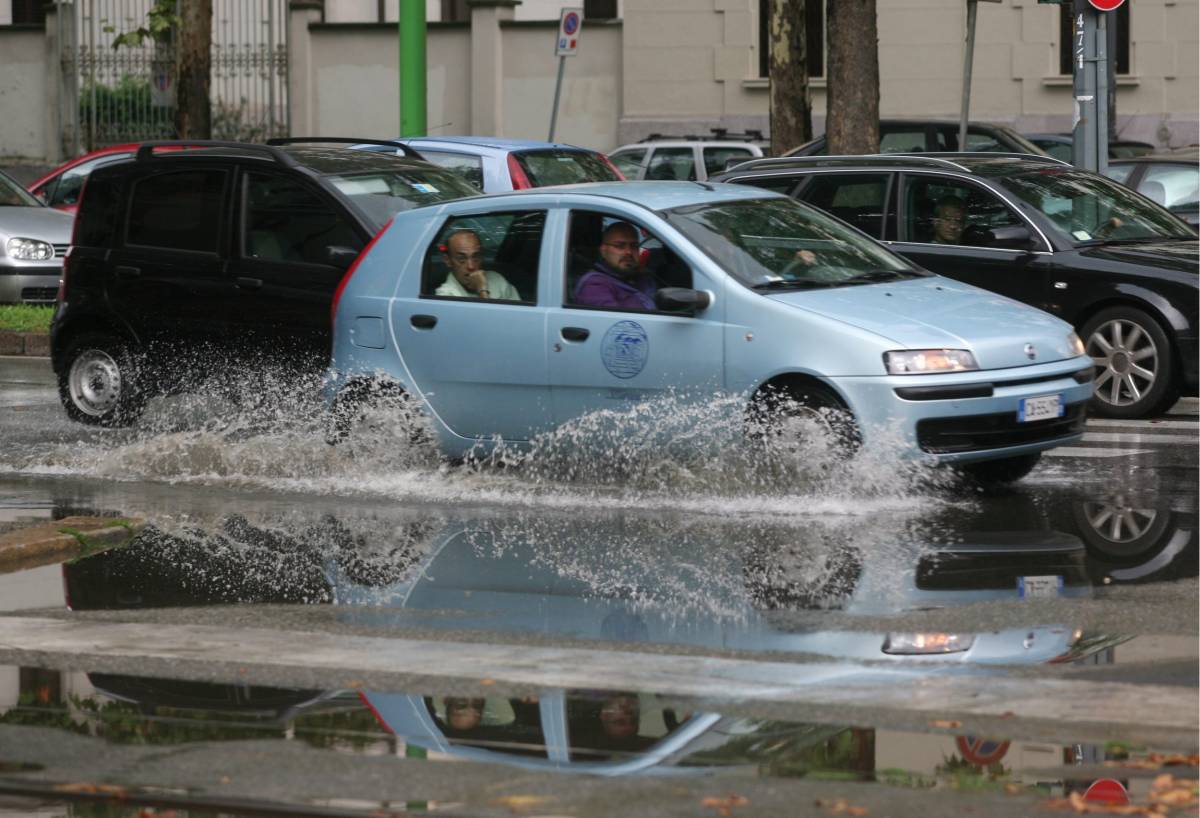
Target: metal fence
127	94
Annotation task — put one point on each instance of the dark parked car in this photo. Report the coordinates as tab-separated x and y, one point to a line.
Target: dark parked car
1062	146
936	136
185	262
1170	179
1116	265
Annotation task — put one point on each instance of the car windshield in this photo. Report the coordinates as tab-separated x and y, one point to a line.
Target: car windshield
778	243
382	194
13	195
1088	209
563	167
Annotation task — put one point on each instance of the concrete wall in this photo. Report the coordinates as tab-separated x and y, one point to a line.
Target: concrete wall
23	93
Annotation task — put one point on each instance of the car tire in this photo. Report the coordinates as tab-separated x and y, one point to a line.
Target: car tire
775	408
1135	364
1121	532
358	398
1003	471
102	380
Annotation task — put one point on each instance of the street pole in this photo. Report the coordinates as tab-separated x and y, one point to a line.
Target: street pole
1090	64
412	68
968	60
1101	92
562	62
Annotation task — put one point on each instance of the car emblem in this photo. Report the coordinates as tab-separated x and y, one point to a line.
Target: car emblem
1030	351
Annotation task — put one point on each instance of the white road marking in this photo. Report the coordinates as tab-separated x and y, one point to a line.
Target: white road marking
1116	437
1088	451
1147	424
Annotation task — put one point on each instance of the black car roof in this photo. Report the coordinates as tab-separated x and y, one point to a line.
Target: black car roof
982	164
324	160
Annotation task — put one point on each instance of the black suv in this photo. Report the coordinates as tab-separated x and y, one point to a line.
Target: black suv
1119	267
191	258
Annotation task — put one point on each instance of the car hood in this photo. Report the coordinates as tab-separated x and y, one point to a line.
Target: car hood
936	312
43	223
1176	256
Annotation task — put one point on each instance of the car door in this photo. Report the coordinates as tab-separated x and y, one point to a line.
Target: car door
282	281
480	363
1022	274
166	273
604	358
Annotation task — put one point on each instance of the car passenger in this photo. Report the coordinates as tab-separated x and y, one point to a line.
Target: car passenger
949	219
468	279
617	279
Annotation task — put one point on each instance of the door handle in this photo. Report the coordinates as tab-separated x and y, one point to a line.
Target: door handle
423	321
124	271
249	283
575	334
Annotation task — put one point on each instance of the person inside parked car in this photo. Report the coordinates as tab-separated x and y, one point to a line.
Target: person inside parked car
616	279
949	219
468	279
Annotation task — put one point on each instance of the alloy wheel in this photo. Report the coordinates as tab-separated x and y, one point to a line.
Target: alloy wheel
1126	359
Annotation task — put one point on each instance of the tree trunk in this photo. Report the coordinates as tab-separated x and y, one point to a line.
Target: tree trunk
193	110
852	115
791	106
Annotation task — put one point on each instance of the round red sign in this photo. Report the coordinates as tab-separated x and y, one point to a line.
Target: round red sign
1106	5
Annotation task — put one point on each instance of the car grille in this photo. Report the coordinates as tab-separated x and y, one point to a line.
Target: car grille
978	432
39	293
60	250
962	572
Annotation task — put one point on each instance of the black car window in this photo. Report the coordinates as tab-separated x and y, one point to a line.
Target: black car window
717	159
672	163
494	256
69	185
858	199
907	140
564	167
284	221
944	211
779	184
177	210
468	167
601	244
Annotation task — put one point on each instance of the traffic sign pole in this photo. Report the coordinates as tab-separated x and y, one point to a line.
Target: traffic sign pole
566	42
562	63
1089	60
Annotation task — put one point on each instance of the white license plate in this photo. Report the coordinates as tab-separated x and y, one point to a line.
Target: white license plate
1039	586
1039	408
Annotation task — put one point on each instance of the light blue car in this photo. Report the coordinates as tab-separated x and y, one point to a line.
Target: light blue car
756	297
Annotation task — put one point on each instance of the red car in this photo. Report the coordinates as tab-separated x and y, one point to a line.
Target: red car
60	188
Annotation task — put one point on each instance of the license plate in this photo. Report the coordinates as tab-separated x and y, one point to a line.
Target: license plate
1039	408
1028	587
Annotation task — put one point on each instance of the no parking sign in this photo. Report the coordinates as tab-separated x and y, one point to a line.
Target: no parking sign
569	25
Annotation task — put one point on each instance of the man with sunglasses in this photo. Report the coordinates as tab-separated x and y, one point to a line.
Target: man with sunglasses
617	280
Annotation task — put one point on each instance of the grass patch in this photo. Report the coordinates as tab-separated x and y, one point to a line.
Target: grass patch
26	317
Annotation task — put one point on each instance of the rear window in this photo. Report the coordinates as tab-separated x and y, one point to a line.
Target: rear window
381	194
178	211
560	167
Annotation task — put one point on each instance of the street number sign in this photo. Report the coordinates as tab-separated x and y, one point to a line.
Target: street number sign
1106	5
569	25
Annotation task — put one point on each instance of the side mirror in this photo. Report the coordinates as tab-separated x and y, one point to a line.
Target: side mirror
682	298
340	257
1011	236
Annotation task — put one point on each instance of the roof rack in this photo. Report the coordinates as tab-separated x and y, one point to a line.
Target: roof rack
403	150
984	155
146	150
715	135
803	161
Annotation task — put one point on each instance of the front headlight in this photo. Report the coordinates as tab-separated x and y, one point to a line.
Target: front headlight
924	644
925	361
1075	343
29	250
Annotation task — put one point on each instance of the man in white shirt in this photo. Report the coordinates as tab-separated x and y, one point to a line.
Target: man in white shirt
468	279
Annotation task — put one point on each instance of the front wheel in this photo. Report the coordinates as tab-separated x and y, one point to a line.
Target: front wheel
100	384
789	416
1005	470
1134	363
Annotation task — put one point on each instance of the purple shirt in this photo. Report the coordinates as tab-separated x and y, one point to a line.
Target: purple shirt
599	287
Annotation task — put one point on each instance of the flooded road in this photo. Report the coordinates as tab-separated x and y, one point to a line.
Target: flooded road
702	631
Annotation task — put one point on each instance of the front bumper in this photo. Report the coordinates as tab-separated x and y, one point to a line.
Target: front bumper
32	284
967	416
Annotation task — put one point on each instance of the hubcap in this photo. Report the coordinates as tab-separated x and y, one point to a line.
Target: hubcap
95	382
1126	360
1119	522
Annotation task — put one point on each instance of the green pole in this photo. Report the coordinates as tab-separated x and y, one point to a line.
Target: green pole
412	67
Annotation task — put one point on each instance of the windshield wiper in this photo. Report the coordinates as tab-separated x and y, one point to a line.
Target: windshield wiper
874	276
794	284
1139	240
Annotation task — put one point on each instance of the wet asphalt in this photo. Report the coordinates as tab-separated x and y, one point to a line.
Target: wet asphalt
297	624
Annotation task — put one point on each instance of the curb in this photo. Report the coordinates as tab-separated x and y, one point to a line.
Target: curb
63	540
24	343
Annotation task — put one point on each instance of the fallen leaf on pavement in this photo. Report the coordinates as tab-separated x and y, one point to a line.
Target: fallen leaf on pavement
487	681
841	806
725	805
519	803
946	724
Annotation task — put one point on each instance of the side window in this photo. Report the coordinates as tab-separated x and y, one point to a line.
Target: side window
1118	173
779	184
672	163
468	167
717	159
909	140
629	162
1176	187
983	143
617	264
178	210
284	221
943	211
70	183
493	256
858	199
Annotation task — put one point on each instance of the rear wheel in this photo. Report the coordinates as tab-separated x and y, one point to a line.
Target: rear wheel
1134	363
359	401
1005	470
100	383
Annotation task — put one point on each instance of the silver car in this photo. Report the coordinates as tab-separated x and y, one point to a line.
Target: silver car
33	240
